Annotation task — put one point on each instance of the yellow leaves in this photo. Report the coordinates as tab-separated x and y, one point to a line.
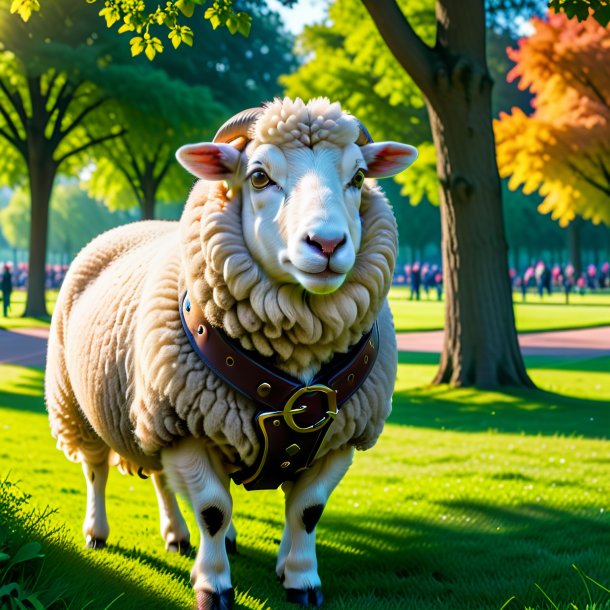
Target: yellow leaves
25	8
181	34
562	150
147	43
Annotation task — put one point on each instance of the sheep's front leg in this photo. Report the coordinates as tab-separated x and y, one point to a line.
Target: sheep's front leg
194	469
95	527
306	498
174	530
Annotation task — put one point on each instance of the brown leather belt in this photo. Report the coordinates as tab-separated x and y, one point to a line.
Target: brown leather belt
291	436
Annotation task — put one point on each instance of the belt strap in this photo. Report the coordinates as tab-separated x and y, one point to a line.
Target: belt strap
292	418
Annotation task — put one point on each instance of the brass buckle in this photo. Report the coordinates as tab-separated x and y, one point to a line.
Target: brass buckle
289	412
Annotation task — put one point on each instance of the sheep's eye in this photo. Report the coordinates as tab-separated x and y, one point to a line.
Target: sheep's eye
260	180
358	179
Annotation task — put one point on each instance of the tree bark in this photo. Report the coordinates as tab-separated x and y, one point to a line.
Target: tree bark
480	346
574	245
42	175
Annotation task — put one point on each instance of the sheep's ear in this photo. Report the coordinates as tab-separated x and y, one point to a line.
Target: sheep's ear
385	159
209	161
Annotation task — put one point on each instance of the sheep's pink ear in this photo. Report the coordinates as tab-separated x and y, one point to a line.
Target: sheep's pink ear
208	160
384	159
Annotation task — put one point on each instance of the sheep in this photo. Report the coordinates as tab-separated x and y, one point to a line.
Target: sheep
286	245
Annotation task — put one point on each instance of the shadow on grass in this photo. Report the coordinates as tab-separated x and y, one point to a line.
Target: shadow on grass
24	396
510	410
515	411
465	555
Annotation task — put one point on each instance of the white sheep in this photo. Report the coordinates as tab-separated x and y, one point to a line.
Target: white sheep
288	250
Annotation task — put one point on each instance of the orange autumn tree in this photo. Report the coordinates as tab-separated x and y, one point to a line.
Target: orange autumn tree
562	149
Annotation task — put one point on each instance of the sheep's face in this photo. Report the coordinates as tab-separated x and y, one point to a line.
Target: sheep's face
300	212
300	178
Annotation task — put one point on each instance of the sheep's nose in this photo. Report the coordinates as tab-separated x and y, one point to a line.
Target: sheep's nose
326	245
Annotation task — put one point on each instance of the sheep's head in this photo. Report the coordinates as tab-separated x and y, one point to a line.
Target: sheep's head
300	169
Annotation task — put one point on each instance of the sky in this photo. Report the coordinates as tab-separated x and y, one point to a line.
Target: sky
304	13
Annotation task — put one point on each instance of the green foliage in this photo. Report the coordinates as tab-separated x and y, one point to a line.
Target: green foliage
74	219
581	9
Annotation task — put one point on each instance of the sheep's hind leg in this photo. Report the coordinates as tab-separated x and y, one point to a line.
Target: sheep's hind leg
95	527
194	469
297	565
174	530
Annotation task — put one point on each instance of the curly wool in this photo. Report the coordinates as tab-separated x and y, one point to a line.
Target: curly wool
294	123
136	385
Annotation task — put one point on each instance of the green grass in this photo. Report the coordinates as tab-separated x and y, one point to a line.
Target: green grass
550	313
469	499
15	319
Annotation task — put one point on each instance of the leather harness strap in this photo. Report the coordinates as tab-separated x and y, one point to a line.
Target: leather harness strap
293	418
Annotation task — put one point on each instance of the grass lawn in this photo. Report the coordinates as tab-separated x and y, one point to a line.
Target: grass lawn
15	320
550	313
470	499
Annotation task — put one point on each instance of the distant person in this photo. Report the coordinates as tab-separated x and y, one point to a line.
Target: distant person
7	289
415	281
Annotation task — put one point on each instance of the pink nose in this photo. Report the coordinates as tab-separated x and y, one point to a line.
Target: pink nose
326	245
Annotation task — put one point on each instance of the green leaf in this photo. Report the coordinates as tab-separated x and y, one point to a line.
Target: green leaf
187	7
213	16
28	551
232	24
4	557
137	45
244	24
9	589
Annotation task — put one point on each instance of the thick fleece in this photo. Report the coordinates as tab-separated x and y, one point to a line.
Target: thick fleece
121	373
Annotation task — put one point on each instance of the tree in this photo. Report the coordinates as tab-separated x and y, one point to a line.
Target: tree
44	111
159	115
562	149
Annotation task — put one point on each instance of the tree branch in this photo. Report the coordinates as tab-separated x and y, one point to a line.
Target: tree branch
16	143
93	142
78	120
417	58
592	182
11	98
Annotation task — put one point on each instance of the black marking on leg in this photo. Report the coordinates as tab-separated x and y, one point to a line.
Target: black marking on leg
92	476
311	516
206	600
231	546
141	473
183	547
213	519
305	597
95	543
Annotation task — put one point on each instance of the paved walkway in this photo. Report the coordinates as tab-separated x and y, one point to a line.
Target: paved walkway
28	346
581	343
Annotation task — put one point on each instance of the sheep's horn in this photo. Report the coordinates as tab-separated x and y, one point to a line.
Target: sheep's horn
238	125
364	137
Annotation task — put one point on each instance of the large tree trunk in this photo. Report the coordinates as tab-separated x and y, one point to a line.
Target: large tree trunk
41	184
480	346
149	192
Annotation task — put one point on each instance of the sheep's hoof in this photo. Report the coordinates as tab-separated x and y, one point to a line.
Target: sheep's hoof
305	597
215	601
184	547
231	546
95	543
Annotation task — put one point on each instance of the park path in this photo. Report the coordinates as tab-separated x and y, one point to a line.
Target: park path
576	343
28	346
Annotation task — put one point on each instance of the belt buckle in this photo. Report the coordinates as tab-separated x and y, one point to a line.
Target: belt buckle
289	412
